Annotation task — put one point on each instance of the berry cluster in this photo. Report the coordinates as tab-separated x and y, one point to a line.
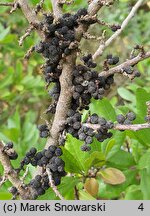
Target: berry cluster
13	190
86	133
88	83
59	43
47	158
44	131
40	184
127	119
112	60
114	28
55	91
130	70
9	151
73	122
59	36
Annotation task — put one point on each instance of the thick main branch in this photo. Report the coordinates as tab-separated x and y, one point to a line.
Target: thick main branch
65	79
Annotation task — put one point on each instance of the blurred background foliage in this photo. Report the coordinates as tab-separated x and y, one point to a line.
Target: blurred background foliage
23	99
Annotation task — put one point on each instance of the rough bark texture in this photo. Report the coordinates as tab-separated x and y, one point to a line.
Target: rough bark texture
64	99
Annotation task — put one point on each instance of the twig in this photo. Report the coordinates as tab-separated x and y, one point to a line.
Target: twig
29	52
15	6
4	179
24	175
88	36
57	10
76	194
39	6
127	63
28	32
54	188
62	2
134	127
148	111
101	48
95	5
7	4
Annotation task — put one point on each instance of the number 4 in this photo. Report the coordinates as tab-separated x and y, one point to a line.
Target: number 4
141	207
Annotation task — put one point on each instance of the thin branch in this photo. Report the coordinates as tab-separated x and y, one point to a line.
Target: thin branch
39	6
28	32
134	127
25	175
29	52
57	10
76	193
127	63
95	5
3	180
54	188
15	6
7	4
93	8
62	2
101	48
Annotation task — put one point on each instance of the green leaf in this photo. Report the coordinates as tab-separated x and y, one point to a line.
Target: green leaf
7	80
103	108
12	134
141	98
95	146
83	195
109	146
119	138
133	192
4	33
144	162
73	146
5	196
120	160
144	184
71	164
126	94
96	159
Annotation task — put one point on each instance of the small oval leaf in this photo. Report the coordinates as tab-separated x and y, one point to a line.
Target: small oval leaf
91	186
112	176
